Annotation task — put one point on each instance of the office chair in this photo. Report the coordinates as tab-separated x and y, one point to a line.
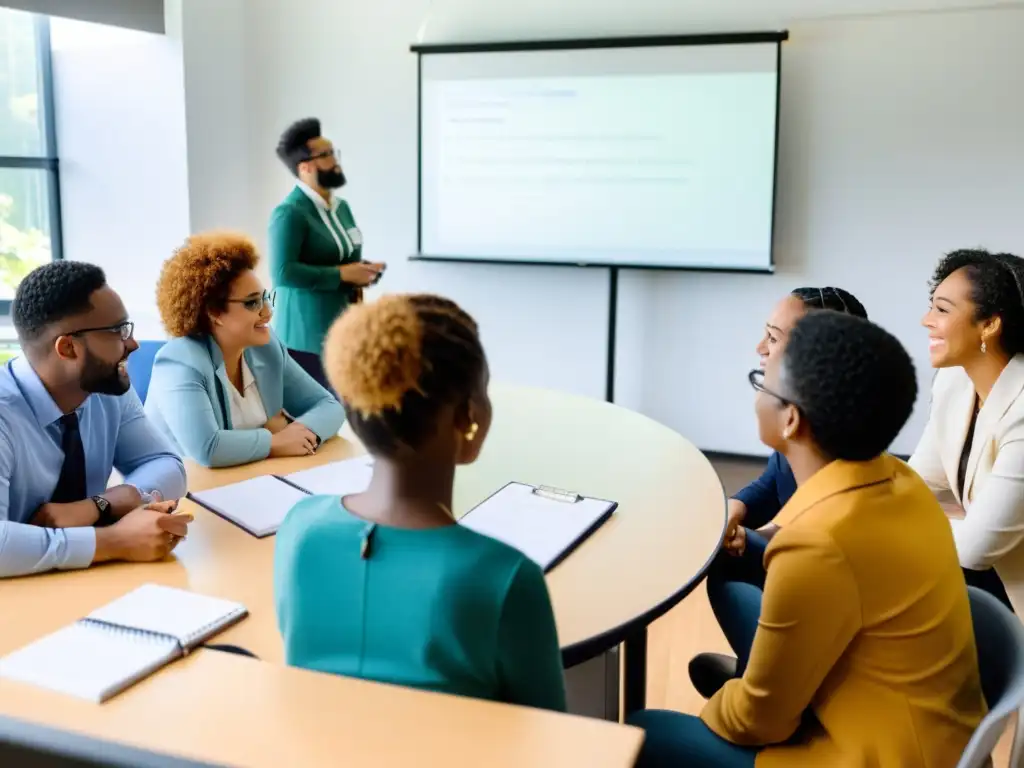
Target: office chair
140	366
1000	639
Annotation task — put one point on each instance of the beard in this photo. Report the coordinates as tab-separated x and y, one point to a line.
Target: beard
102	378
332	179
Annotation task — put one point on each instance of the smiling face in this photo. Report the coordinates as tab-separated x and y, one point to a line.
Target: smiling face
781	321
246	320
955	333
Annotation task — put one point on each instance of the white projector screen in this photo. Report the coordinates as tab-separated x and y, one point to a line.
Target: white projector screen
649	156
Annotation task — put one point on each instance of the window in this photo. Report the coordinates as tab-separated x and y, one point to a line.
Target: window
29	184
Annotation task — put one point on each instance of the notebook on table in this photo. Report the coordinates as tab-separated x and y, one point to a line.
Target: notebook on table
259	505
545	524
121	643
339	478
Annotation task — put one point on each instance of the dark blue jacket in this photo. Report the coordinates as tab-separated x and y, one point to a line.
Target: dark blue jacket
769	493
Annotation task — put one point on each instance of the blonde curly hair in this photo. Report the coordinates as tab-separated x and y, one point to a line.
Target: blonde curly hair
396	362
197	279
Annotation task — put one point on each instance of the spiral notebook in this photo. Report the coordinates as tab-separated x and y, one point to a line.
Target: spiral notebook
121	643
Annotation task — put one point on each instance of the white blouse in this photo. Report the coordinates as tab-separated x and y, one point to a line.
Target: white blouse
247	411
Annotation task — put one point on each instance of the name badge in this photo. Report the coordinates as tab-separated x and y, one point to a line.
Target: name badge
355	236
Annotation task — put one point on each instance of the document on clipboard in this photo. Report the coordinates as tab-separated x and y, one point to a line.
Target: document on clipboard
545	524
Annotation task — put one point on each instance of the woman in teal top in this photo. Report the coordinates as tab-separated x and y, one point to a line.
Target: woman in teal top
316	249
384	585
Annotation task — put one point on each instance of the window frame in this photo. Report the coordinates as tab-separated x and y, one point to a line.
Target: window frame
48	161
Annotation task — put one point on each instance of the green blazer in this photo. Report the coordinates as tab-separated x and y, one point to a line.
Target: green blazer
304	261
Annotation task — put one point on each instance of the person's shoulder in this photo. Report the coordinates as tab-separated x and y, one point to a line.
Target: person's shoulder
313	515
188	351
14	408
949	381
494	558
294	202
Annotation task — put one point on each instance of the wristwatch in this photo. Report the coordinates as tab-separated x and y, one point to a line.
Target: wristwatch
104	508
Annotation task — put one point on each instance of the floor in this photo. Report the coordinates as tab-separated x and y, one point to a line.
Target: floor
690	628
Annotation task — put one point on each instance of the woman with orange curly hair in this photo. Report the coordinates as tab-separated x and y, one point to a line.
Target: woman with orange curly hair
384	585
225	389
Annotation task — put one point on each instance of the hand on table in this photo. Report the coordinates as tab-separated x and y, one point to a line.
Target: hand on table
75	514
294	440
145	534
277	423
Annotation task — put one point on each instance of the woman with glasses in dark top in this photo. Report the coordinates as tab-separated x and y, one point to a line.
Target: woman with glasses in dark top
860	649
752	510
224	389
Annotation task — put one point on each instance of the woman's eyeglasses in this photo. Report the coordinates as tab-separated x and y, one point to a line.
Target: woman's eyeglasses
756	379
256	303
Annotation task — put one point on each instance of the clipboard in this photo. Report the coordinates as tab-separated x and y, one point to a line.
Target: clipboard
527	518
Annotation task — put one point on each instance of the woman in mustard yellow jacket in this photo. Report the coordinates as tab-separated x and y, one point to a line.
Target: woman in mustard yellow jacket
860	651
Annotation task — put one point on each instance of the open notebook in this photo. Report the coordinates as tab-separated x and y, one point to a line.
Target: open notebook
124	641
260	504
545	524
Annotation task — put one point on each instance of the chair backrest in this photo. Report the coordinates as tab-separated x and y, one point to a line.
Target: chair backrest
140	366
999	636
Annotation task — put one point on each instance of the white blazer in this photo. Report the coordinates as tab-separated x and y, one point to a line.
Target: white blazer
992	531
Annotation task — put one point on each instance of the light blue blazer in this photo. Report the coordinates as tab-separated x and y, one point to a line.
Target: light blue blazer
188	400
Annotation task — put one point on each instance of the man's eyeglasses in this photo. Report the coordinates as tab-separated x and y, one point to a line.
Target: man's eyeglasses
756	379
256	303
125	330
332	153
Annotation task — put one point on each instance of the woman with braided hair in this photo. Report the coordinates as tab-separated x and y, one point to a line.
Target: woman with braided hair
384	585
973	444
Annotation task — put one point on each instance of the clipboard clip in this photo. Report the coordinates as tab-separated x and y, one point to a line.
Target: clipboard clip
556	494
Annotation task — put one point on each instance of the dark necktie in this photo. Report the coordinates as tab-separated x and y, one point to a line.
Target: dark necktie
71	484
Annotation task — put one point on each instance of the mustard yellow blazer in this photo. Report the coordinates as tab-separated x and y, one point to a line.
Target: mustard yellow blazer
866	621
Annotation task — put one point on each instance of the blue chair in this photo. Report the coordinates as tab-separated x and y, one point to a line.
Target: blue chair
999	635
140	366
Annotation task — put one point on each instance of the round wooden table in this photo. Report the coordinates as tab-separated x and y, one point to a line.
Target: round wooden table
639	564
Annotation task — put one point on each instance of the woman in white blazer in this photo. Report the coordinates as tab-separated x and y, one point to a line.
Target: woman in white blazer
973	444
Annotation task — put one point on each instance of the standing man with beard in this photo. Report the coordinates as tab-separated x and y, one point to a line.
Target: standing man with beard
315	248
68	417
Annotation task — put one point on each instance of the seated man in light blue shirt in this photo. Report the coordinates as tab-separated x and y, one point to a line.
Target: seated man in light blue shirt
68	416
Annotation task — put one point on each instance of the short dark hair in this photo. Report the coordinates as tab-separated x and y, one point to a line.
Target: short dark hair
51	293
835	299
997	289
292	147
396	362
852	380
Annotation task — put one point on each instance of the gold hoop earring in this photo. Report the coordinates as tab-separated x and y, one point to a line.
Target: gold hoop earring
471	434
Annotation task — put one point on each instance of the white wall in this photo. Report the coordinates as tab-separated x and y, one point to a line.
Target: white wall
901	139
121	142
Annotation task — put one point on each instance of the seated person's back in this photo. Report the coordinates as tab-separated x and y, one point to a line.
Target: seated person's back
446	609
384	584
